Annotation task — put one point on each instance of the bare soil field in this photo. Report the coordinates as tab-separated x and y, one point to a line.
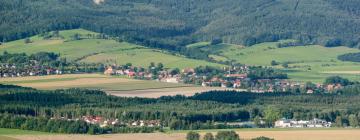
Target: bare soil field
113	85
246	135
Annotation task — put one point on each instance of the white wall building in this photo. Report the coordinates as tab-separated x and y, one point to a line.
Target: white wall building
315	123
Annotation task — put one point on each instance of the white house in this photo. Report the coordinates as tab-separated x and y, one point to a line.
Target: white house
283	123
315	123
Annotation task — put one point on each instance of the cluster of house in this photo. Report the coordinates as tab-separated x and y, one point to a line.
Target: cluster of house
163	76
7	70
105	122
314	123
102	122
236	78
241	81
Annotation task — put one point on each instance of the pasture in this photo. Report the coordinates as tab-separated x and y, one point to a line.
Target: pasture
6	131
306	63
245	134
143	57
106	51
114	85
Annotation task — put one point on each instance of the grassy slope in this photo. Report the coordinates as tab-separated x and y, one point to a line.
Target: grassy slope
318	58
100	50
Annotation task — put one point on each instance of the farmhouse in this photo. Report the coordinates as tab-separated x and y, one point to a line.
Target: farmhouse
170	80
109	71
147	123
315	123
240	76
102	122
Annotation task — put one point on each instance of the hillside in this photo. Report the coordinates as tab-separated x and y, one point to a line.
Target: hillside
89	48
305	63
173	24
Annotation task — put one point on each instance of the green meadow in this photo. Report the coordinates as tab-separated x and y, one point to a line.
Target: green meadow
306	63
143	57
107	83
100	50
6	131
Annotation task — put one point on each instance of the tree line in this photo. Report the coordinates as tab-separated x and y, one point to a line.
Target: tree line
221	135
163	27
209	110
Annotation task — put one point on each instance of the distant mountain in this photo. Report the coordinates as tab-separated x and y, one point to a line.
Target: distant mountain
173	24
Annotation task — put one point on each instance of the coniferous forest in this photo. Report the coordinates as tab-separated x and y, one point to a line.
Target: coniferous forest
172	24
59	110
181	30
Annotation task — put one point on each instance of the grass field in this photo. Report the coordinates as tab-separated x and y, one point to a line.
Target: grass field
7	138
245	134
92	81
100	50
308	63
143	57
114	85
5	131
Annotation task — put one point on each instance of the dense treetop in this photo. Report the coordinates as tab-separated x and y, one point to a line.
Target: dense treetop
172	23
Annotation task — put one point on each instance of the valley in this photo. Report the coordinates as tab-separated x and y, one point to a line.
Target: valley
179	70
304	63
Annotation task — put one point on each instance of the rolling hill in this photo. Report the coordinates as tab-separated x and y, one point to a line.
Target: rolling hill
94	50
173	24
305	63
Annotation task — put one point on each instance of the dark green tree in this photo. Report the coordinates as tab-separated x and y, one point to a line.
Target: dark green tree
192	136
227	135
208	136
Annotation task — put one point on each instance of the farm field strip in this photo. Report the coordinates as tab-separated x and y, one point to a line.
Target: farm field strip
246	134
155	93
7	138
6	131
114	85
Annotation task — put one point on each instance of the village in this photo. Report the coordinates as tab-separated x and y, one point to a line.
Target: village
244	78
106	122
8	70
282	123
254	79
314	123
241	77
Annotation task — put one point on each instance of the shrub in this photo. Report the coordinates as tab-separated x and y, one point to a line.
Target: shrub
262	138
209	136
192	136
227	135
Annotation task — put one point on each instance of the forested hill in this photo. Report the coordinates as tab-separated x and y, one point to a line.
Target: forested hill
175	23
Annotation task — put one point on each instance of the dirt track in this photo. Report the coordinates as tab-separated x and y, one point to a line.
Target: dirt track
278	135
